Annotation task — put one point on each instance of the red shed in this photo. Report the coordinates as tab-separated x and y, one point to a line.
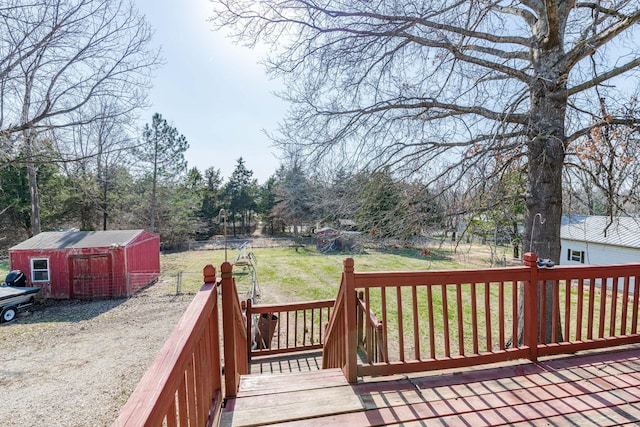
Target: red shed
88	264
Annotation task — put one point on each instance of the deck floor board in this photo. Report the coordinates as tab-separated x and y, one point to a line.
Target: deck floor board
592	389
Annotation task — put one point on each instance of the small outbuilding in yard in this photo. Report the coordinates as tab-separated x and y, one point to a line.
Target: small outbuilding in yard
88	264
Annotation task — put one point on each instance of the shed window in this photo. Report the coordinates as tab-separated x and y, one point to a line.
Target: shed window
39	270
577	256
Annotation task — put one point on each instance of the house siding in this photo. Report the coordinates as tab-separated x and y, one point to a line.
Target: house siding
598	254
601	240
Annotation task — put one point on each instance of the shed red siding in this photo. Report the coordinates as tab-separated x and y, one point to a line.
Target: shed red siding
95	272
142	261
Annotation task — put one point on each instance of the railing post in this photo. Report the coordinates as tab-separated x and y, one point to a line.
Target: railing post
531	311
209	277
231	375
351	334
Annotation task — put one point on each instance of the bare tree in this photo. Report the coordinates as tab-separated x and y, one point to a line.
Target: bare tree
436	85
604	164
58	57
92	154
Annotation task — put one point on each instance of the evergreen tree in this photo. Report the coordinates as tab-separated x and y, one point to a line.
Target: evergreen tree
240	192
293	205
212	201
380	209
267	197
162	152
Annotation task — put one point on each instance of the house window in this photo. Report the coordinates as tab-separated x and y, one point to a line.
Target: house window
577	256
39	269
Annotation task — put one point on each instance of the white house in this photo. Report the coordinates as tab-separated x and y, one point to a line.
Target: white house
599	240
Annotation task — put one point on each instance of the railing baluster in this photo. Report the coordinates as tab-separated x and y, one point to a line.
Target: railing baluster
182	400
171	415
514	312
555	315
445	321
487	316
614	306
311	333
191	395
474	318
634	315
603	307
416	329
400	323
542	333
369	338
304	327
432	334
460	319
592	287
567	309
287	328
625	306
501	316
580	310
319	326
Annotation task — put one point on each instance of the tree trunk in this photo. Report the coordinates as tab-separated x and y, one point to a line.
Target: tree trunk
546	151
32	177
105	204
32	172
152	221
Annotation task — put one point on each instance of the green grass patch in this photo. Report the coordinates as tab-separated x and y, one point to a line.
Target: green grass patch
287	274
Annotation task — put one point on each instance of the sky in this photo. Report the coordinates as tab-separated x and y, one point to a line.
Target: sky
213	92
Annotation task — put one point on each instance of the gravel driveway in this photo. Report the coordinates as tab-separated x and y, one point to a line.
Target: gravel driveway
71	363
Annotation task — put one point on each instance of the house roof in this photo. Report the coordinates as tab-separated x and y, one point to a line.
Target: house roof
78	239
619	231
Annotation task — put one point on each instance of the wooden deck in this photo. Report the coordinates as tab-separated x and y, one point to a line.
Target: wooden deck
590	389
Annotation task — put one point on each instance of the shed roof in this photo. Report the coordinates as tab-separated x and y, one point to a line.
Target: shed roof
618	231
78	239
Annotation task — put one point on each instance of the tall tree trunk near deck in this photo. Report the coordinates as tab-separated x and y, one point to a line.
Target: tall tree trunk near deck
546	152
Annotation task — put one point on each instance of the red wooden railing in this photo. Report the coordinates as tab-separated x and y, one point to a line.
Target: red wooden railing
183	385
592	307
287	328
399	322
445	319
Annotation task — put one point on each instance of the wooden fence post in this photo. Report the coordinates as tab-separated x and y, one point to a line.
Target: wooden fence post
531	311
351	333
